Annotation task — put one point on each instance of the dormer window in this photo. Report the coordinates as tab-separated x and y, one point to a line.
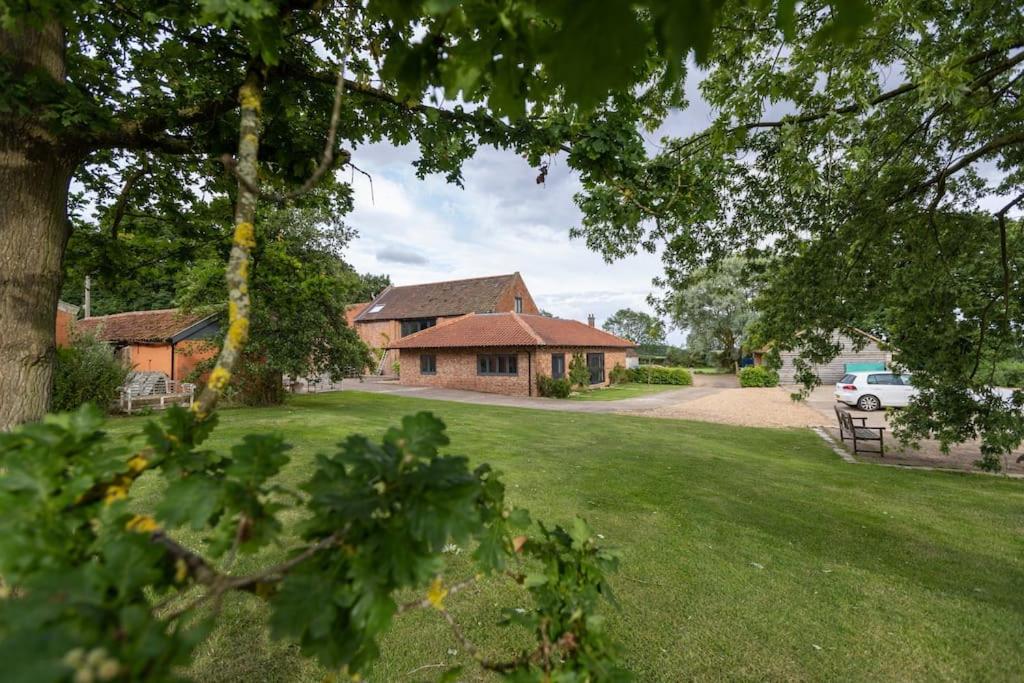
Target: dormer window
519	304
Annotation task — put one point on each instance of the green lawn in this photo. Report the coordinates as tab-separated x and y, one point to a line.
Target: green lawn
617	392
748	553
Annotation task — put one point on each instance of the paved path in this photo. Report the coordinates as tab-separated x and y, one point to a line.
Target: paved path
640	404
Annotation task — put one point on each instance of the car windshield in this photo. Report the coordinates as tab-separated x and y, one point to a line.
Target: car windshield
848	379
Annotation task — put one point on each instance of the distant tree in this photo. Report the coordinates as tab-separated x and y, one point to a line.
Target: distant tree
547	314
371	285
640	328
716	307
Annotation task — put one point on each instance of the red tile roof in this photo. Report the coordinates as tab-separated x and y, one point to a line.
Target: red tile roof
139	326
437	299
509	329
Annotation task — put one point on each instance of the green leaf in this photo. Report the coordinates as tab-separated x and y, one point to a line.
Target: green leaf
193	499
533	580
580	533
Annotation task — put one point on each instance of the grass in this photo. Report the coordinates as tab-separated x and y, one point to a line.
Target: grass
617	392
747	553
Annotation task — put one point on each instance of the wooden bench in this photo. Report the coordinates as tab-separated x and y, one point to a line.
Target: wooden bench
859	433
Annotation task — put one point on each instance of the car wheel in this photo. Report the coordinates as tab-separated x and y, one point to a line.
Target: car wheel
869	403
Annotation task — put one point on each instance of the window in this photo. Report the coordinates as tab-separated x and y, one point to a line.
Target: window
377	309
887	378
557	365
907	380
428	364
497	364
595	363
848	379
414	326
519	304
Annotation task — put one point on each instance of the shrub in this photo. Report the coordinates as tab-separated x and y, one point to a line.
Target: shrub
579	373
618	375
253	383
657	374
553	388
758	376
87	372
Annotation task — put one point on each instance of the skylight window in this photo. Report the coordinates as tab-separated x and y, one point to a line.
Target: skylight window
377	309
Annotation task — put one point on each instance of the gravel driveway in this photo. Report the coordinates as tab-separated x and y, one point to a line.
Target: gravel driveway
747	407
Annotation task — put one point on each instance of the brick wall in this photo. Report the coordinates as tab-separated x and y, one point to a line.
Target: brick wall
457	368
65	323
612	357
507	301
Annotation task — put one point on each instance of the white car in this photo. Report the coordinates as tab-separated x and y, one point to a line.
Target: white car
873	390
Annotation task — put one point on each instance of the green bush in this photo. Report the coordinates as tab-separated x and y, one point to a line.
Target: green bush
553	388
758	376
657	374
87	372
1009	374
579	373
618	375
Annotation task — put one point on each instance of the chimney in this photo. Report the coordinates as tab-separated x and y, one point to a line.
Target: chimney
87	303
590	319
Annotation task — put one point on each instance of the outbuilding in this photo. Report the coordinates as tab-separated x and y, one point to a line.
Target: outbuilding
166	340
858	350
502	353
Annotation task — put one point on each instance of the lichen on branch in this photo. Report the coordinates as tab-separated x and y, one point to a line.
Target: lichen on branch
244	240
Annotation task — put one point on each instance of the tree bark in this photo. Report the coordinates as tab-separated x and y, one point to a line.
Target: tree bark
34	178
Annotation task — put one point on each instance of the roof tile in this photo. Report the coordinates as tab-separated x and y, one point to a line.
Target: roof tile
139	326
454	297
509	329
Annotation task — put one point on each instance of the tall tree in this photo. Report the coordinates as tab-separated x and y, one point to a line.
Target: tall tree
716	307
640	328
139	101
300	288
883	170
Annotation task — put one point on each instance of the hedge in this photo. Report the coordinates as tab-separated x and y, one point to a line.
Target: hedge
657	374
758	376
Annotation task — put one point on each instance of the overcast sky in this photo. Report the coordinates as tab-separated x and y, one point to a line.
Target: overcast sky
502	221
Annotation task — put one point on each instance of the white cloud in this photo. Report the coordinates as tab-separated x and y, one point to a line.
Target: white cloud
503	221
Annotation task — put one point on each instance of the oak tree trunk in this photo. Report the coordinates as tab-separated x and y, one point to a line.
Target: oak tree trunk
34	177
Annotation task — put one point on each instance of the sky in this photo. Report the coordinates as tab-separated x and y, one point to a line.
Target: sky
502	221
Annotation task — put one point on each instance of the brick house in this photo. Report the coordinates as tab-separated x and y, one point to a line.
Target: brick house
502	353
167	340
398	312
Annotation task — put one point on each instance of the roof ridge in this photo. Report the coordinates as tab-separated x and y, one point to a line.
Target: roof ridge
154	310
526	326
435	326
462	279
